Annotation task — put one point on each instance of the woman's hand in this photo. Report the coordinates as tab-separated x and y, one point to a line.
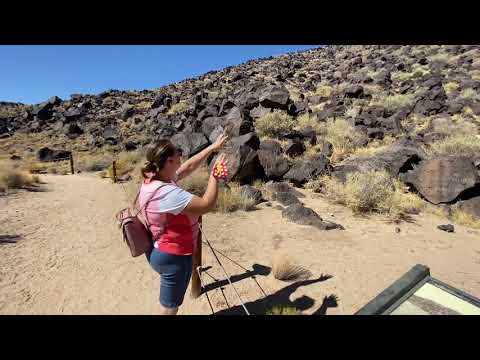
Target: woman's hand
220	169
218	144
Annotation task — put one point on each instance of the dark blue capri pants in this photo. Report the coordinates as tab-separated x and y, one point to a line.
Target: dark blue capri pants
175	273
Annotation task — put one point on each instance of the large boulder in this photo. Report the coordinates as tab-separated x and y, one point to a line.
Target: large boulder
54	101
243	164
259	112
302	171
127	111
72	130
219	129
190	143
271	146
73	114
46	154
354	92
275	97
225	107
302	215
250	192
209	111
272	188
274	164
210	123
251	139
3	126
396	159
110	135
285	198
471	206
442	180
161	100
43	111
237	123
295	148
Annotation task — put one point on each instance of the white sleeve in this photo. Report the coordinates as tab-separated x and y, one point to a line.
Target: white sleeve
172	200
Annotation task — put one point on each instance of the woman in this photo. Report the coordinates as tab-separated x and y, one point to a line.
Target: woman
172	215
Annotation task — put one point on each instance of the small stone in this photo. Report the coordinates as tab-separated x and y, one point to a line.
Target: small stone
447	228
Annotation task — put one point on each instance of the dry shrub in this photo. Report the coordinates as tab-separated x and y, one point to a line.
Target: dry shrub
461	217
318	107
344	138
420	70
393	102
458	144
312	151
324	91
374	147
455	215
469	94
126	162
285	268
353	111
274	123
450	87
401	76
283	310
440	57
144	105
259	185
475	75
13	178
96	162
179	107
371	191
456	125
306	120
230	200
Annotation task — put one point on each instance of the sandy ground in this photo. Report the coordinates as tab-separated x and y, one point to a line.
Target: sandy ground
70	258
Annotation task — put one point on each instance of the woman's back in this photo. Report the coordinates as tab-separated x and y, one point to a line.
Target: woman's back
173	231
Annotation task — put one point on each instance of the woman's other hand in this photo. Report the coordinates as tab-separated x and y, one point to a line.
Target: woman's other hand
218	144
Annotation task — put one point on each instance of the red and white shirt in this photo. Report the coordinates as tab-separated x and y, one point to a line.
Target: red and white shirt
174	232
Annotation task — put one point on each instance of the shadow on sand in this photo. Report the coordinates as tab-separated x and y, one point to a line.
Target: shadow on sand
9	239
281	298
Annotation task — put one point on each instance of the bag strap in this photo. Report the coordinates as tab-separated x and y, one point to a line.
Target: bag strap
148	201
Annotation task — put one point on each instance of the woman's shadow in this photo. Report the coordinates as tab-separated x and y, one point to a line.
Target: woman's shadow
282	298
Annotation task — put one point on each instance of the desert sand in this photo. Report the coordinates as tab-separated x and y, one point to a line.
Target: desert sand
70	258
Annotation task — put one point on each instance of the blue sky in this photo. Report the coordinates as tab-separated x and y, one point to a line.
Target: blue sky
31	74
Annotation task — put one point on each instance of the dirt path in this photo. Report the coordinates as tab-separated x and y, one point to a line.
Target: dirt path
71	260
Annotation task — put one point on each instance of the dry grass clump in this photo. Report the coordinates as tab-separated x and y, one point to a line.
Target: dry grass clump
285	268
283	310
368	192
231	199
457	144
274	123
11	177
344	137
125	162
179	107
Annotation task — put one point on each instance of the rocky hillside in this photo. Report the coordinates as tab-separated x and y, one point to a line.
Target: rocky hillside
299	115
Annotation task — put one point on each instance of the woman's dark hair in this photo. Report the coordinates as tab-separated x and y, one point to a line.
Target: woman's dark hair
157	154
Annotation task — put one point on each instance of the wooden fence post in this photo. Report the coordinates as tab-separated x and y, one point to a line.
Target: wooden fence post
71	164
114	171
196	289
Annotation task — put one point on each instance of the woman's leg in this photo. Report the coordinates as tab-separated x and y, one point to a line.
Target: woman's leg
175	273
168	311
